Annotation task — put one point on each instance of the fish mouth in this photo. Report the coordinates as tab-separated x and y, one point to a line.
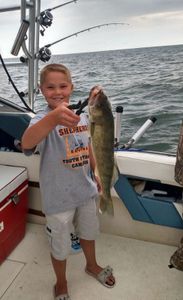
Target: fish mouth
94	93
95	90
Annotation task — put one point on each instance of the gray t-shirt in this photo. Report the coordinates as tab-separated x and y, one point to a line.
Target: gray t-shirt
65	174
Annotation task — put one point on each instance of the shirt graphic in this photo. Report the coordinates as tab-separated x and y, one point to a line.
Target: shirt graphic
76	146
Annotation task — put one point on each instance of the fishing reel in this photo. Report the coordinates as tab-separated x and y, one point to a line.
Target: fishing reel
45	20
44	54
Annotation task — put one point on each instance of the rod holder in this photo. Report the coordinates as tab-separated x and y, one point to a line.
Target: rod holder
140	132
20	37
117	125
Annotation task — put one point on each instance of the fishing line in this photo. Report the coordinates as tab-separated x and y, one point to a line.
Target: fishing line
14	86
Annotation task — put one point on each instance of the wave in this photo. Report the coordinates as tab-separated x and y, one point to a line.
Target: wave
145	81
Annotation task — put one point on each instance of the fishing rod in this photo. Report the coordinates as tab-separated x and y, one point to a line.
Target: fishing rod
45	53
14	86
63	4
140	132
45	19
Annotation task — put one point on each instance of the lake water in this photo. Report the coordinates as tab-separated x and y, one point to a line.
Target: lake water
145	82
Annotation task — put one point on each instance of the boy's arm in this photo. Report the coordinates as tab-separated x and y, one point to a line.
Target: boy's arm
61	115
37	132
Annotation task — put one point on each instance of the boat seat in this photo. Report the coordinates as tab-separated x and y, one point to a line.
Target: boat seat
14	123
12	127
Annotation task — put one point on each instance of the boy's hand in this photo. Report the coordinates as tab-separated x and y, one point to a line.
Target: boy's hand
97	179
64	116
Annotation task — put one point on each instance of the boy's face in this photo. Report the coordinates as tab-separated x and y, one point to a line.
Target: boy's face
56	89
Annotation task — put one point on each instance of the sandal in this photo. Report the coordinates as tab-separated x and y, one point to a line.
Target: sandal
63	297
60	297
103	276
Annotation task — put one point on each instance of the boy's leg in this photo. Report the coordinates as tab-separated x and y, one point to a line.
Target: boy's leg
87	227
89	252
60	272
91	263
58	230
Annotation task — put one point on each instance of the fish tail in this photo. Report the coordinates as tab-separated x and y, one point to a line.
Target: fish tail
106	205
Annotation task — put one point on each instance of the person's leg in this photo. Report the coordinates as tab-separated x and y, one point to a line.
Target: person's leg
90	256
87	228
58	230
91	262
59	267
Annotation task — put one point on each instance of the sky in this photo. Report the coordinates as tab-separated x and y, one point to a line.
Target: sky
151	23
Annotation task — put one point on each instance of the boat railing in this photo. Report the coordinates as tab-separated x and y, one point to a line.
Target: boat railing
30	11
31	18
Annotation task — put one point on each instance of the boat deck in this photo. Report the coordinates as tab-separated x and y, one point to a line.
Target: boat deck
141	270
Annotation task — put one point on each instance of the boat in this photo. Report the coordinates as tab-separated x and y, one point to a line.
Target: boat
146	192
147	199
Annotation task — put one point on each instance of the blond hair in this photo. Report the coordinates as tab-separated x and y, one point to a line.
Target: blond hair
54	68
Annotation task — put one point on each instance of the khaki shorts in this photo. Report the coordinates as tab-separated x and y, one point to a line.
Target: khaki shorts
59	227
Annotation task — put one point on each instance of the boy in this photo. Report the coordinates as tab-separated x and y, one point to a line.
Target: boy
68	191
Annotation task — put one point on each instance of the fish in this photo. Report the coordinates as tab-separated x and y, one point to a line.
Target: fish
101	125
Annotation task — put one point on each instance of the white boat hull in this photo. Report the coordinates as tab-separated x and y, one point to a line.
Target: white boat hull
138	165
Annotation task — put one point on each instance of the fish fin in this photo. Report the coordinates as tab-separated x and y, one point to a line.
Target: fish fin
115	175
106	205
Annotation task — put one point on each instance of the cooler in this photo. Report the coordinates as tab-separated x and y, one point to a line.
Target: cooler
13	207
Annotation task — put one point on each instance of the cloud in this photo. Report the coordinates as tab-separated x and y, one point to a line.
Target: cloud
152	22
163	16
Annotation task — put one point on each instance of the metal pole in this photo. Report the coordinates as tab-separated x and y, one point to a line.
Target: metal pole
38	9
31	60
10	8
